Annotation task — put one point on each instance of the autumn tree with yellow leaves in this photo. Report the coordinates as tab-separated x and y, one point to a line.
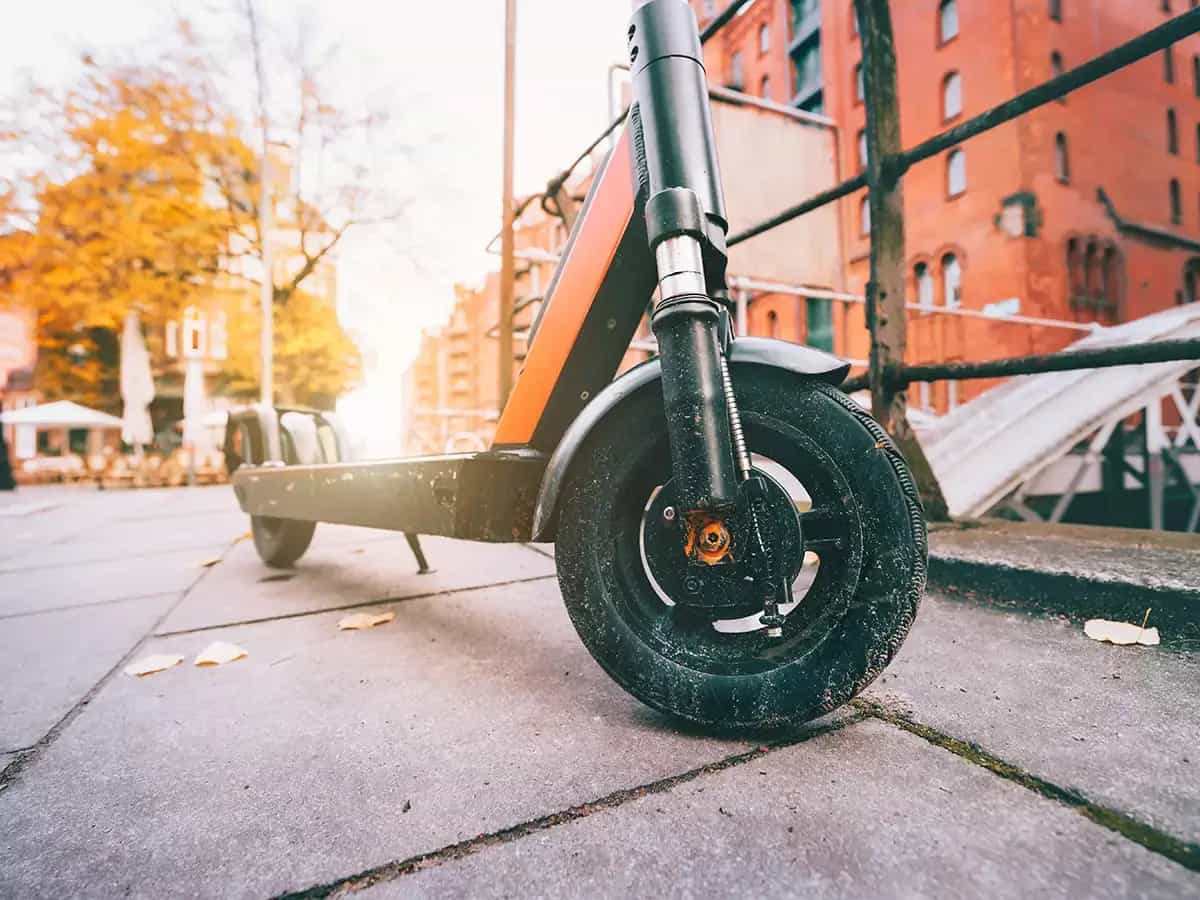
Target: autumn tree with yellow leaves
149	199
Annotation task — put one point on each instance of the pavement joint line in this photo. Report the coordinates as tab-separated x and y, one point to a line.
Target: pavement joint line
540	551
446	592
1156	841
391	871
10	773
149	554
87	605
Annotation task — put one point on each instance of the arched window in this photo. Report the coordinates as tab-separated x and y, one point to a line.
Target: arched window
1198	143
766	87
951	95
956	173
1110	280
1056	64
764	38
1169	65
924	281
862	149
737	73
1056	10
1176	202
864	215
1191	281
853	19
772	324
951	281
1062	162
1172	132
1075	275
1091	273
947	20
1196	75
859	89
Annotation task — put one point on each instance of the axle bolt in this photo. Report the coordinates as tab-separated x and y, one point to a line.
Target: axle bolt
669	513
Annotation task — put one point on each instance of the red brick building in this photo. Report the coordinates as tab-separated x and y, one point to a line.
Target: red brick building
1086	210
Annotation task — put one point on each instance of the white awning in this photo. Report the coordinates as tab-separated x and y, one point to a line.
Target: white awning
61	414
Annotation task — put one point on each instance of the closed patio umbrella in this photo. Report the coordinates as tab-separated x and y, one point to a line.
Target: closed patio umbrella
137	385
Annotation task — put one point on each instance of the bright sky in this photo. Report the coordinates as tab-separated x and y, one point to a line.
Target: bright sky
443	64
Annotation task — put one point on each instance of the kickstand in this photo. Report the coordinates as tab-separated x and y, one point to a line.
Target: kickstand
414	544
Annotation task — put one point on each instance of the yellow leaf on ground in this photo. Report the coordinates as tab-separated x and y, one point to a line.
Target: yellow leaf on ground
208	563
155	662
364	620
1120	632
218	653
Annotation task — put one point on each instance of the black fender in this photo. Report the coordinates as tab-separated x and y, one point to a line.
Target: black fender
795	358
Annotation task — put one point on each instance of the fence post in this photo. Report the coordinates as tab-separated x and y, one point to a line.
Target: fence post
886	316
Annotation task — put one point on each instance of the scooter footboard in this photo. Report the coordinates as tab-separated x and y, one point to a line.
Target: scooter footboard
476	496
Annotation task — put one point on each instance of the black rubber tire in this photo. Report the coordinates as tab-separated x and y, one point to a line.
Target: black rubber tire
834	649
280	542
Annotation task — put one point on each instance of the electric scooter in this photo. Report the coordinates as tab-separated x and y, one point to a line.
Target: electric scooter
737	542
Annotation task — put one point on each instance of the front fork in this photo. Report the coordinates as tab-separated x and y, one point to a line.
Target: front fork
686	227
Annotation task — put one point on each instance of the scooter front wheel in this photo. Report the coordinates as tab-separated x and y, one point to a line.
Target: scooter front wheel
855	596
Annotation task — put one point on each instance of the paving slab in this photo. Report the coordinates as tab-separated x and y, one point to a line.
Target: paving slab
324	752
88	584
865	811
49	661
340	572
1121	725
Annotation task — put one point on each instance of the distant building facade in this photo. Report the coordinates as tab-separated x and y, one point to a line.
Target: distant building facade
1085	210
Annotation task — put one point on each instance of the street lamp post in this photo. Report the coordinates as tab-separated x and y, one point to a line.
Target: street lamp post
507	266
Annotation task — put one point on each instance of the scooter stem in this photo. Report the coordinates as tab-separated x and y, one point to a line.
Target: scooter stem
686	226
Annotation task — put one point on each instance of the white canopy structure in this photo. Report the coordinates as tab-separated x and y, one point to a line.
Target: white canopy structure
1016	440
60	414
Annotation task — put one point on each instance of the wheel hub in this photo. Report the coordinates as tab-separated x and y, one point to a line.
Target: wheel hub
706	564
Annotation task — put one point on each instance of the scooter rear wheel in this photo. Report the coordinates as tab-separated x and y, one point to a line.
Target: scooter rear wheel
279	542
856	596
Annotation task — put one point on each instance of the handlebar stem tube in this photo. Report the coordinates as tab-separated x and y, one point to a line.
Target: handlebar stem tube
686	224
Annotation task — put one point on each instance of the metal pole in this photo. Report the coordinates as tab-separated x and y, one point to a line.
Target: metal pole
886	316
507	267
267	291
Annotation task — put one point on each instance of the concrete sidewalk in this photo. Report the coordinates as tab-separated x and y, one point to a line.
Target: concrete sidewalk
472	747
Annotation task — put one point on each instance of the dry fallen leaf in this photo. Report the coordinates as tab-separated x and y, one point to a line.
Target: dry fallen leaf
1120	632
208	563
218	653
155	662
364	620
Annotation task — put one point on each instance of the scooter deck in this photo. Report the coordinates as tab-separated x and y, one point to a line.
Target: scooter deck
487	496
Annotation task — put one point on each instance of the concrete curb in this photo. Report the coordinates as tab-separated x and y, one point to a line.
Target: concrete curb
1073	571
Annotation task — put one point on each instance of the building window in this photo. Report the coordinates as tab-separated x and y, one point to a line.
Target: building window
764	38
1056	10
772	323
951	96
1172	133
1075	272
737	75
1198	143
818	319
1062	160
1166	6
806	61
766	87
951	282
864	215
859	88
854	30
948	20
956	173
1056	69
1191	281
924	281
1169	65
1110	280
862	149
1176	202
1196	75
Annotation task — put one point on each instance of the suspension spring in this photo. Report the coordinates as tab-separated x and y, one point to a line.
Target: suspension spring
741	455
